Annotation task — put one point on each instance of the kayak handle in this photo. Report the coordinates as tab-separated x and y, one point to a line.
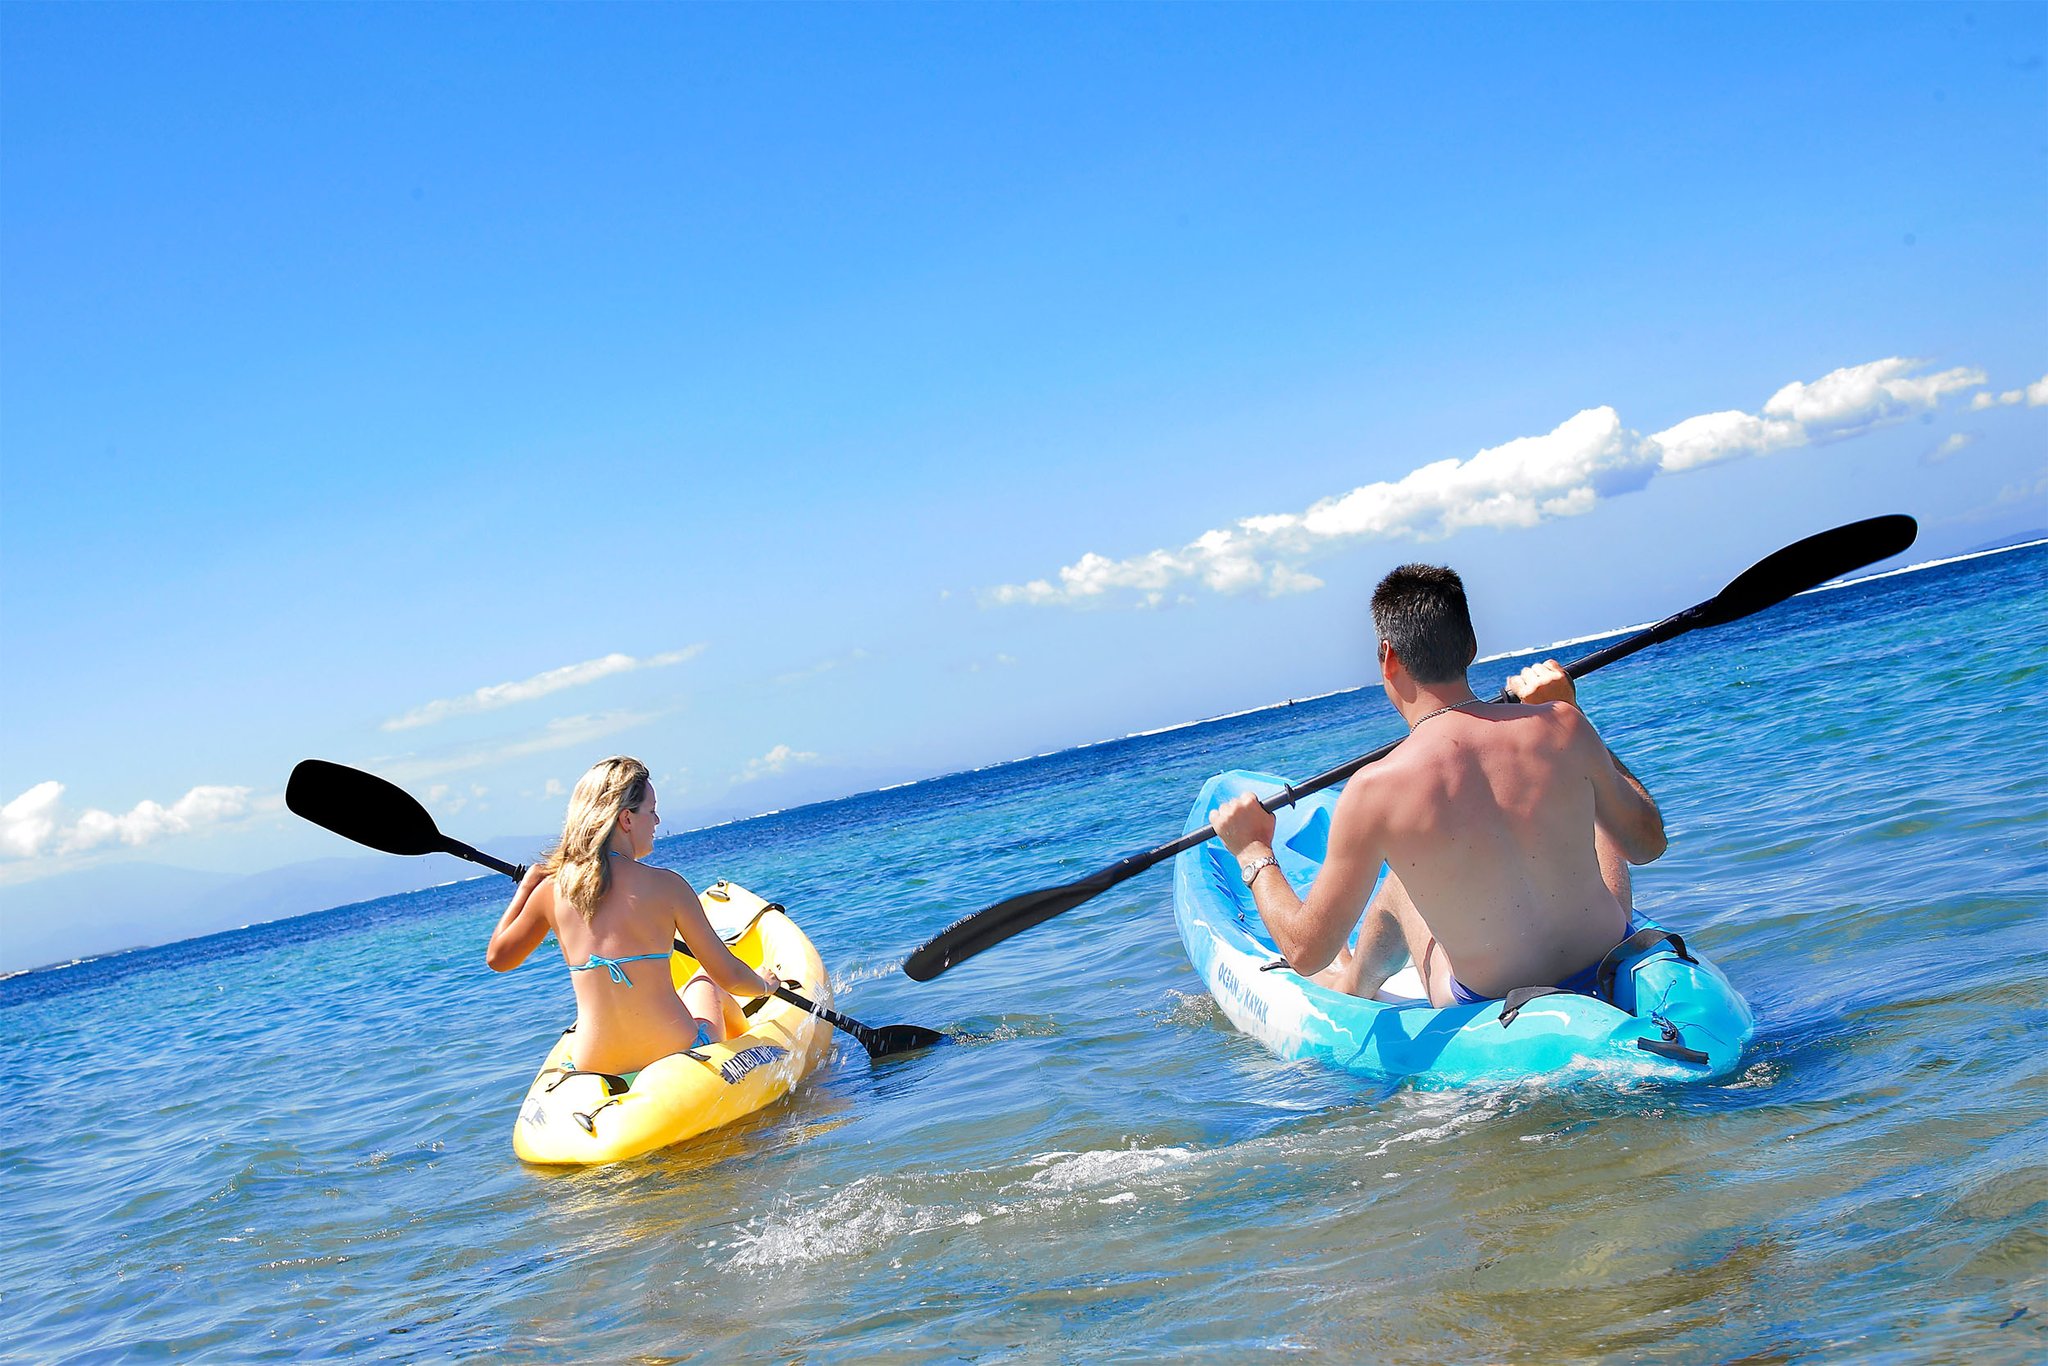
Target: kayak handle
1677	1052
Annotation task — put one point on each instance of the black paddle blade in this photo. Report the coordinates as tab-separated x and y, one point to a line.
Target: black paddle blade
985	929
891	1040
1809	564
881	1043
362	807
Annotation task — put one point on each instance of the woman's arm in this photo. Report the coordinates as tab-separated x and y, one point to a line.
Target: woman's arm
720	964
523	926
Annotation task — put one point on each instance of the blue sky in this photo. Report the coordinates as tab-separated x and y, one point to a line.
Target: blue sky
471	392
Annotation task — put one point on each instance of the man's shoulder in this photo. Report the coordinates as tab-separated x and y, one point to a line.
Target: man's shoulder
1555	718
1366	796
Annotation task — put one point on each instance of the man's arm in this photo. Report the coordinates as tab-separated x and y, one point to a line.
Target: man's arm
1311	933
1622	806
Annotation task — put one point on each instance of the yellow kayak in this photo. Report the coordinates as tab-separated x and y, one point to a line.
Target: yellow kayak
573	1118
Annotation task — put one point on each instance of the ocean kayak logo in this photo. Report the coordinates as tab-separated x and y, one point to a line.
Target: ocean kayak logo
747	1059
533	1115
1226	980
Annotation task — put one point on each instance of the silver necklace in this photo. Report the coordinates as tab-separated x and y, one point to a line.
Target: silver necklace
1439	712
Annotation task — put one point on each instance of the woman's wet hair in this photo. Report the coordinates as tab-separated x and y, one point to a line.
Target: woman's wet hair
581	862
1420	611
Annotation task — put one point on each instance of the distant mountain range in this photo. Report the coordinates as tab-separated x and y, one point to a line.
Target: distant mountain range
2020	538
135	905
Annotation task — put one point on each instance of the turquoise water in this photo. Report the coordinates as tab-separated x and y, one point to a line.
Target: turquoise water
295	1139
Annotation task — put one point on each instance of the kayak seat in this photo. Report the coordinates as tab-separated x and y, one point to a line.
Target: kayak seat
1312	841
614	1084
1636	945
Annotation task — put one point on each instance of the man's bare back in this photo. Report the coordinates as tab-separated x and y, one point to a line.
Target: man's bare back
1486	818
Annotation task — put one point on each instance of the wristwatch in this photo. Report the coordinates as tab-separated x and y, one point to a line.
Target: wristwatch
1257	866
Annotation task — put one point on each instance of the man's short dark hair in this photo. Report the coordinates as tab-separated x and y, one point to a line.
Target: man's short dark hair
1420	611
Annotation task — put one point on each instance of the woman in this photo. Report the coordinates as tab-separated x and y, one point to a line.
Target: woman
616	918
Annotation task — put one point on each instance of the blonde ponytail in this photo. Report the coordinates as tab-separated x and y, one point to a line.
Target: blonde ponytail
581	862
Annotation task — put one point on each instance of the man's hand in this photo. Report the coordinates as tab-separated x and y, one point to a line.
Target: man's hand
1242	822
1545	682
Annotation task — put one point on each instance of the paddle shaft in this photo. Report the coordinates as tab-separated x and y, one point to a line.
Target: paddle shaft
515	871
1803	565
878	1042
1126	868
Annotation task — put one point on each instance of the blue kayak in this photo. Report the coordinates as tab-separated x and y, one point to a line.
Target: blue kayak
1669	1015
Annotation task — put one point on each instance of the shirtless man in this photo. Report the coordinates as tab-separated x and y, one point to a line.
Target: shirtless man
1507	829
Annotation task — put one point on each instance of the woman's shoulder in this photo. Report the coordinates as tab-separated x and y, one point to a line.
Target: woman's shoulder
648	877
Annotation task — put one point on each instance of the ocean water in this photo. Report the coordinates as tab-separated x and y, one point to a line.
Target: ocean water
294	1140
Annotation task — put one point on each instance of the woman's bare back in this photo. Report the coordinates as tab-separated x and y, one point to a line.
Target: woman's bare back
622	1025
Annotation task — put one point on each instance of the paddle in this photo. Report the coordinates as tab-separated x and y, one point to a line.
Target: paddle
885	1042
365	808
1798	567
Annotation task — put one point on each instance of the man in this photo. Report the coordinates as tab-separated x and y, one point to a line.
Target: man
1507	829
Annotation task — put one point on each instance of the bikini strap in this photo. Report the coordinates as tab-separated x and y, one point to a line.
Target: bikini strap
611	965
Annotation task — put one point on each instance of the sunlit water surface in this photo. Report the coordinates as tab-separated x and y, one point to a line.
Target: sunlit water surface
295	1139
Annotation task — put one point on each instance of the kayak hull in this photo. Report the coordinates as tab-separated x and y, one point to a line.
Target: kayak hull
1671	1020
581	1119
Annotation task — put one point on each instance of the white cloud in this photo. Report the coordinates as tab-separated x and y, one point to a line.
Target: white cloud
1950	444
149	820
452	802
1857	398
776	760
1565	472
496	695
1713	437
2024	492
34	823
29	822
565	732
2035	395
